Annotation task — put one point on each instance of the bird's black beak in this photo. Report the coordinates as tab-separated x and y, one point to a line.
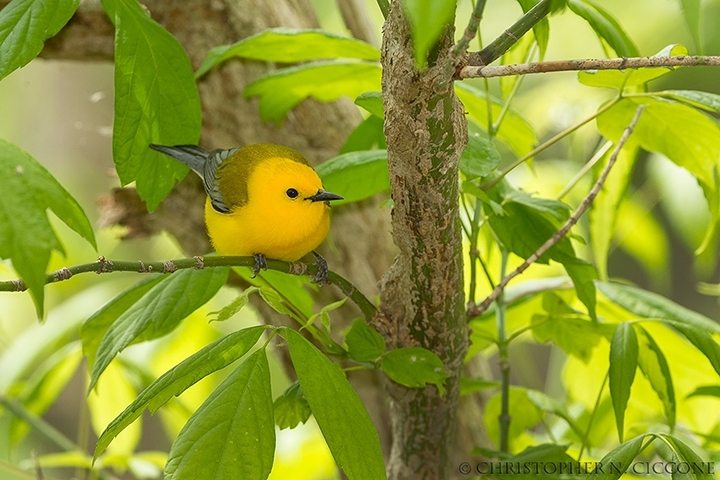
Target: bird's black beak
323	196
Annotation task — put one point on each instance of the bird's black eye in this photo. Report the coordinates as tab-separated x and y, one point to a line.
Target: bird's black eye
292	193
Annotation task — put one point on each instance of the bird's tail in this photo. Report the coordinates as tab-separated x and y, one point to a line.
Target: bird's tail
191	155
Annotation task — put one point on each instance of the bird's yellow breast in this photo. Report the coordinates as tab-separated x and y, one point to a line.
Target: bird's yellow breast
272	223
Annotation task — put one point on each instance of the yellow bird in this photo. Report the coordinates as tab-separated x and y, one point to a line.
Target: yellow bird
263	200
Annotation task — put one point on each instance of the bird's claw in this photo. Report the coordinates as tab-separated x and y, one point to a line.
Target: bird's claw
260	264
321	278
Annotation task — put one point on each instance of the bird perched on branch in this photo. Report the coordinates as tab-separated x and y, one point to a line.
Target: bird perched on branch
263	200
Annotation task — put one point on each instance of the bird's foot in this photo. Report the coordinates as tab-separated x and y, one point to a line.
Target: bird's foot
321	278
260	264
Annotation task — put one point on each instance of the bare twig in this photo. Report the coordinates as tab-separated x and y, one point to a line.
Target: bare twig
476	310
481	70
103	265
509	37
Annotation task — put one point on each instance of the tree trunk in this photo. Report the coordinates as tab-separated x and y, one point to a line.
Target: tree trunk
422	294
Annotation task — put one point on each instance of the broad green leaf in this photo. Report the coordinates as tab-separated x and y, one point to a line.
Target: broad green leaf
282	90
524	229
687	137
414	367
291	408
623	364
702	341
211	358
235	306
541	30
232	434
24	27
705	100
688	456
480	156
156	101
604	209
573	335
94	328
554	210
340	414
706	391
364	343
372	102
158	312
290	45
691	12
26	237
620	457
631	77
651	305
525	415
515	131
605	26
368	135
293	288
547	453
355	175
428	20
655	368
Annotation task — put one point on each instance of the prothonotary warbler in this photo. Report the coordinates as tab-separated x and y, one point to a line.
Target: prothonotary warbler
263	200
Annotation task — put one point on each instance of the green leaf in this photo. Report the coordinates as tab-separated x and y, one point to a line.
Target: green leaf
693	460
340	414
573	335
282	90
290	45
355	175
604	209
480	156
94	328
209	359
631	77
158	312
232	434
368	135
554	210
472	385
372	102
156	101
605	26
24	27
414	367
26	237
691	12
651	305
550	405
364	344
291	408
623	364
229	310
620	458
428	21
541	30
706	391
515	131
705	100
655	368
702	341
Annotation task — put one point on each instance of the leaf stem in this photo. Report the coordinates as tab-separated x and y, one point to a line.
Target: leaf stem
592	418
581	173
50	432
504	361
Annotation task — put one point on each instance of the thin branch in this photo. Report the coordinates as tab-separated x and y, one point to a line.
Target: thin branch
474	311
462	45
509	37
50	432
481	70
103	265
